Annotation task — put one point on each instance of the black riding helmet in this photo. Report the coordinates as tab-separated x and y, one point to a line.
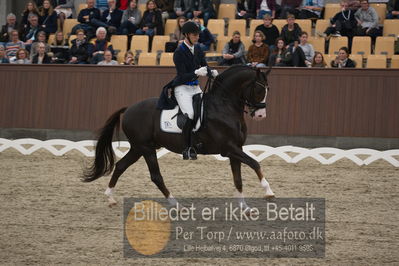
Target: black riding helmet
190	27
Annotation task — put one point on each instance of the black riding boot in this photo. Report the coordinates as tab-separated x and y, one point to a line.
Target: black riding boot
189	153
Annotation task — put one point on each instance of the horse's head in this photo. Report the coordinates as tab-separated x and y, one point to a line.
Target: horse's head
257	94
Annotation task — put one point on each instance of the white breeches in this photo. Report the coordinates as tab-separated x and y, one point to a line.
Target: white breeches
184	96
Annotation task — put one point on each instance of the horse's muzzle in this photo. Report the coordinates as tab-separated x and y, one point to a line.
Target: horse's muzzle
259	114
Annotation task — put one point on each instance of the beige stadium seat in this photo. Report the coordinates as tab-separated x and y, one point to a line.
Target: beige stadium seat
247	41
216	26
119	42
358	60
221	42
376	61
158	43
391	27
331	9
336	43
227	11
147	59
68	26
381	11
385	45
71	38
142	8
361	45
321	25
236	24
166	59
51	38
80	7
279	23
317	43
395	61
170	26
252	26
139	42
329	58
305	24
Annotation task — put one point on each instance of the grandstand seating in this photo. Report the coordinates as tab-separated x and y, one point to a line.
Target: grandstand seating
253	24
321	25
328	58
358	60
216	26
221	41
158	43
381	11
317	43
51	38
247	41
142	8
395	61
385	45
68	26
336	43
391	27
331	9
166	59
376	61
305	24
170	26
139	42
80	7
236	25
71	38
147	59
361	45
279	23
119	43
227	11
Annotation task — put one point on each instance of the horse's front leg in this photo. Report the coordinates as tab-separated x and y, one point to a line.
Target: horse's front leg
237	155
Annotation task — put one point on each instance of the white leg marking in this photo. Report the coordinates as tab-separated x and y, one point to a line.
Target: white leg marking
109	193
266	186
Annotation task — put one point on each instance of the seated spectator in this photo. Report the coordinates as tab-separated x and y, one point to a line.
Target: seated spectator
102	5
128	59
131	18
21	57
60	49
14	45
291	31
30	8
269	30
98	46
88	17
264	7
8	28
310	9
166	7
343	23
182	7
177	37
393	9
3	57
41	56
258	53
205	36
151	23
367	21
48	18
29	34
41	38
298	58
246	9
307	48
111	18
281	56
318	60
201	9
79	52
108	59
289	7
233	51
64	9
342	60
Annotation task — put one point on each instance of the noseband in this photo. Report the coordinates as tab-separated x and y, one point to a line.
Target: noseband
252	105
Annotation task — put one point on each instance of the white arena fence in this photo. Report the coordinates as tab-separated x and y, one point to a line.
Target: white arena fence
290	154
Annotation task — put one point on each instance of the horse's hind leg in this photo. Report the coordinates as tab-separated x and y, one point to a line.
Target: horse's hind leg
130	158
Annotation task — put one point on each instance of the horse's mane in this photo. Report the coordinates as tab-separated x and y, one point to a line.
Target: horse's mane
228	73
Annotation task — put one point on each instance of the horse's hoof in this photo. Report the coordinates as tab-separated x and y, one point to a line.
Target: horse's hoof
111	202
269	197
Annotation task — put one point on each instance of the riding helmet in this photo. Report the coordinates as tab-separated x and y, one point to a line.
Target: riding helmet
190	27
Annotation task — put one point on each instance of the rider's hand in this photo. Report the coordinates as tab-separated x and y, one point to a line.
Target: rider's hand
214	73
201	72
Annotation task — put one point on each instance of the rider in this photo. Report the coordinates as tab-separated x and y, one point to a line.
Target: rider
190	64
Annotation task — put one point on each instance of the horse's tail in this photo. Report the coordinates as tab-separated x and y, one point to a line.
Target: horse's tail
105	157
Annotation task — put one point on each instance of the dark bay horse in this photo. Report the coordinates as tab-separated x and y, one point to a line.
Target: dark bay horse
225	131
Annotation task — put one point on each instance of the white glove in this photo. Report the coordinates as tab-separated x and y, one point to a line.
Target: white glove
203	71
214	73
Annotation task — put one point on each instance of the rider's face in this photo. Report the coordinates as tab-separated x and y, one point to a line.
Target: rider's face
193	37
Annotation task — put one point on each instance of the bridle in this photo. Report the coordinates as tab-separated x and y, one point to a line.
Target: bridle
256	106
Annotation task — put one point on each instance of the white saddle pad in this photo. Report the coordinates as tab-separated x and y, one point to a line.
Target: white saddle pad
169	121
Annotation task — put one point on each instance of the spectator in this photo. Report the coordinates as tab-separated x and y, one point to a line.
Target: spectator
41	38
128	59
6	29
87	18
151	23
367	21
281	56
264	7
166	7
131	18
291	31
298	58
307	48
41	56
29	33
393	9
182	7
60	49
310	9
111	18
122	4
353	5
233	51
318	60
177	37
205	36
3	57
98	46
343	23
269	30
102	5
107	59
246	9
289	7
30	8
258	53
64	9
48	18
79	52
14	44
201	9
343	60
21	57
